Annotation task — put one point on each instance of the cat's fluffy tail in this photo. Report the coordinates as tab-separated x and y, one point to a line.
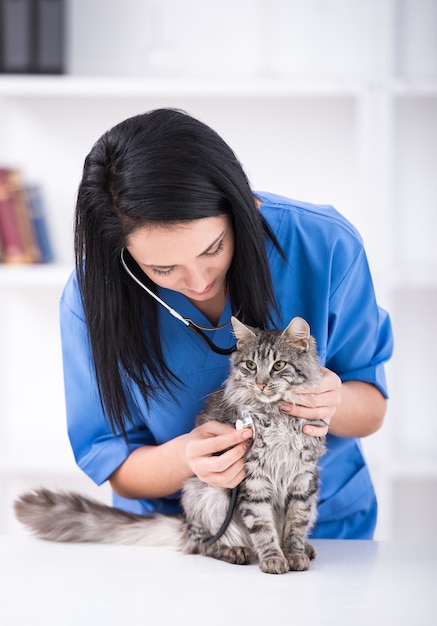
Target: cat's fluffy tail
70	517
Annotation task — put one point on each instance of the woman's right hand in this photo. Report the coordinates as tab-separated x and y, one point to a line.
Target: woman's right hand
214	453
158	471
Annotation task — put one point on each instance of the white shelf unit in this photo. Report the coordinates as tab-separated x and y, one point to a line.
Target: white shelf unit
366	144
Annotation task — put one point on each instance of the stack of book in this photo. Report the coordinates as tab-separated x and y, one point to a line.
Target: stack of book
32	37
24	236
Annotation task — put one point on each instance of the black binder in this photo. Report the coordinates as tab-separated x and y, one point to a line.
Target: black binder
16	35
50	38
32	36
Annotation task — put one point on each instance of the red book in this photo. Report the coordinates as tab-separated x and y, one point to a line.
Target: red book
12	244
23	217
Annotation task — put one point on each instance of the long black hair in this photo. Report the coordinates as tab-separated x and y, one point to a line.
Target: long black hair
166	167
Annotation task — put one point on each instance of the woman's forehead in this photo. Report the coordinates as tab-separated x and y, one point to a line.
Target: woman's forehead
164	243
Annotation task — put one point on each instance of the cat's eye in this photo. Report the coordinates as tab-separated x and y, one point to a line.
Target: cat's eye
279	365
251	365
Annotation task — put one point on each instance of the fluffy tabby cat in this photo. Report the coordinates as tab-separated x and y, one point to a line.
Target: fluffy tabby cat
276	502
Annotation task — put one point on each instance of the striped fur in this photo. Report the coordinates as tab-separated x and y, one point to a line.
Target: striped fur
277	501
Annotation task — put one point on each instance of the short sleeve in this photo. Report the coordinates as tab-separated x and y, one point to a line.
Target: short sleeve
360	338
97	450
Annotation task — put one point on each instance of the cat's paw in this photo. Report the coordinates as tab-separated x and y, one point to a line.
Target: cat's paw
298	561
237	555
310	551
274	565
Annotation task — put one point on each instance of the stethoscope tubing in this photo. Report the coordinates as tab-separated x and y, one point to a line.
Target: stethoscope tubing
186	321
211	345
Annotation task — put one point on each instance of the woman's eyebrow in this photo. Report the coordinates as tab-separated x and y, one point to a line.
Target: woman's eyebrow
167	267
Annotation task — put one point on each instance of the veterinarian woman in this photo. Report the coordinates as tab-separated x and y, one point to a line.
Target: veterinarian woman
165	210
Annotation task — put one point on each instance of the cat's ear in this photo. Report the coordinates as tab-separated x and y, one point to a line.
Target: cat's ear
242	332
298	333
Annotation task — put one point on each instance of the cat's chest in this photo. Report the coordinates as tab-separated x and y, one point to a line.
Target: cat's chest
277	429
279	446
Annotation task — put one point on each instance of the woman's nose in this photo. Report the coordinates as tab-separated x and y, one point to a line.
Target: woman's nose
196	280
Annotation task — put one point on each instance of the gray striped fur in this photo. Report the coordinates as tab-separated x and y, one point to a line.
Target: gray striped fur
277	502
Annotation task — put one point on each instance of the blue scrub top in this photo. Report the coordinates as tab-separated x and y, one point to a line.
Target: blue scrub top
325	280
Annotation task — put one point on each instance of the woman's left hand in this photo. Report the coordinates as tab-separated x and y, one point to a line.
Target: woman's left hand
318	402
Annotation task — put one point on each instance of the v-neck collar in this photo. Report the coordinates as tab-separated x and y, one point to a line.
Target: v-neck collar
222	337
187	309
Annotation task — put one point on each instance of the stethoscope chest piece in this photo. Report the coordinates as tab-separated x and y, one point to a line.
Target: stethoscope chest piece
245	420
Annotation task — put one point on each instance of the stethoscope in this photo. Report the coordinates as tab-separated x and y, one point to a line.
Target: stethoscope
195	328
244	420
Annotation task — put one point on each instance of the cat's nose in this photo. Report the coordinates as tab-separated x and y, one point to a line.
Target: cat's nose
261	386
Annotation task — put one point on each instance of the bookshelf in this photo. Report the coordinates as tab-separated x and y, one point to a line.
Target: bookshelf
362	137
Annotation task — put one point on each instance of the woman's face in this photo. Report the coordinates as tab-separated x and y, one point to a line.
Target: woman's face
191	258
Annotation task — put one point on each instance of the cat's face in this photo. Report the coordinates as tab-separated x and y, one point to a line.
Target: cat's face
268	379
268	364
